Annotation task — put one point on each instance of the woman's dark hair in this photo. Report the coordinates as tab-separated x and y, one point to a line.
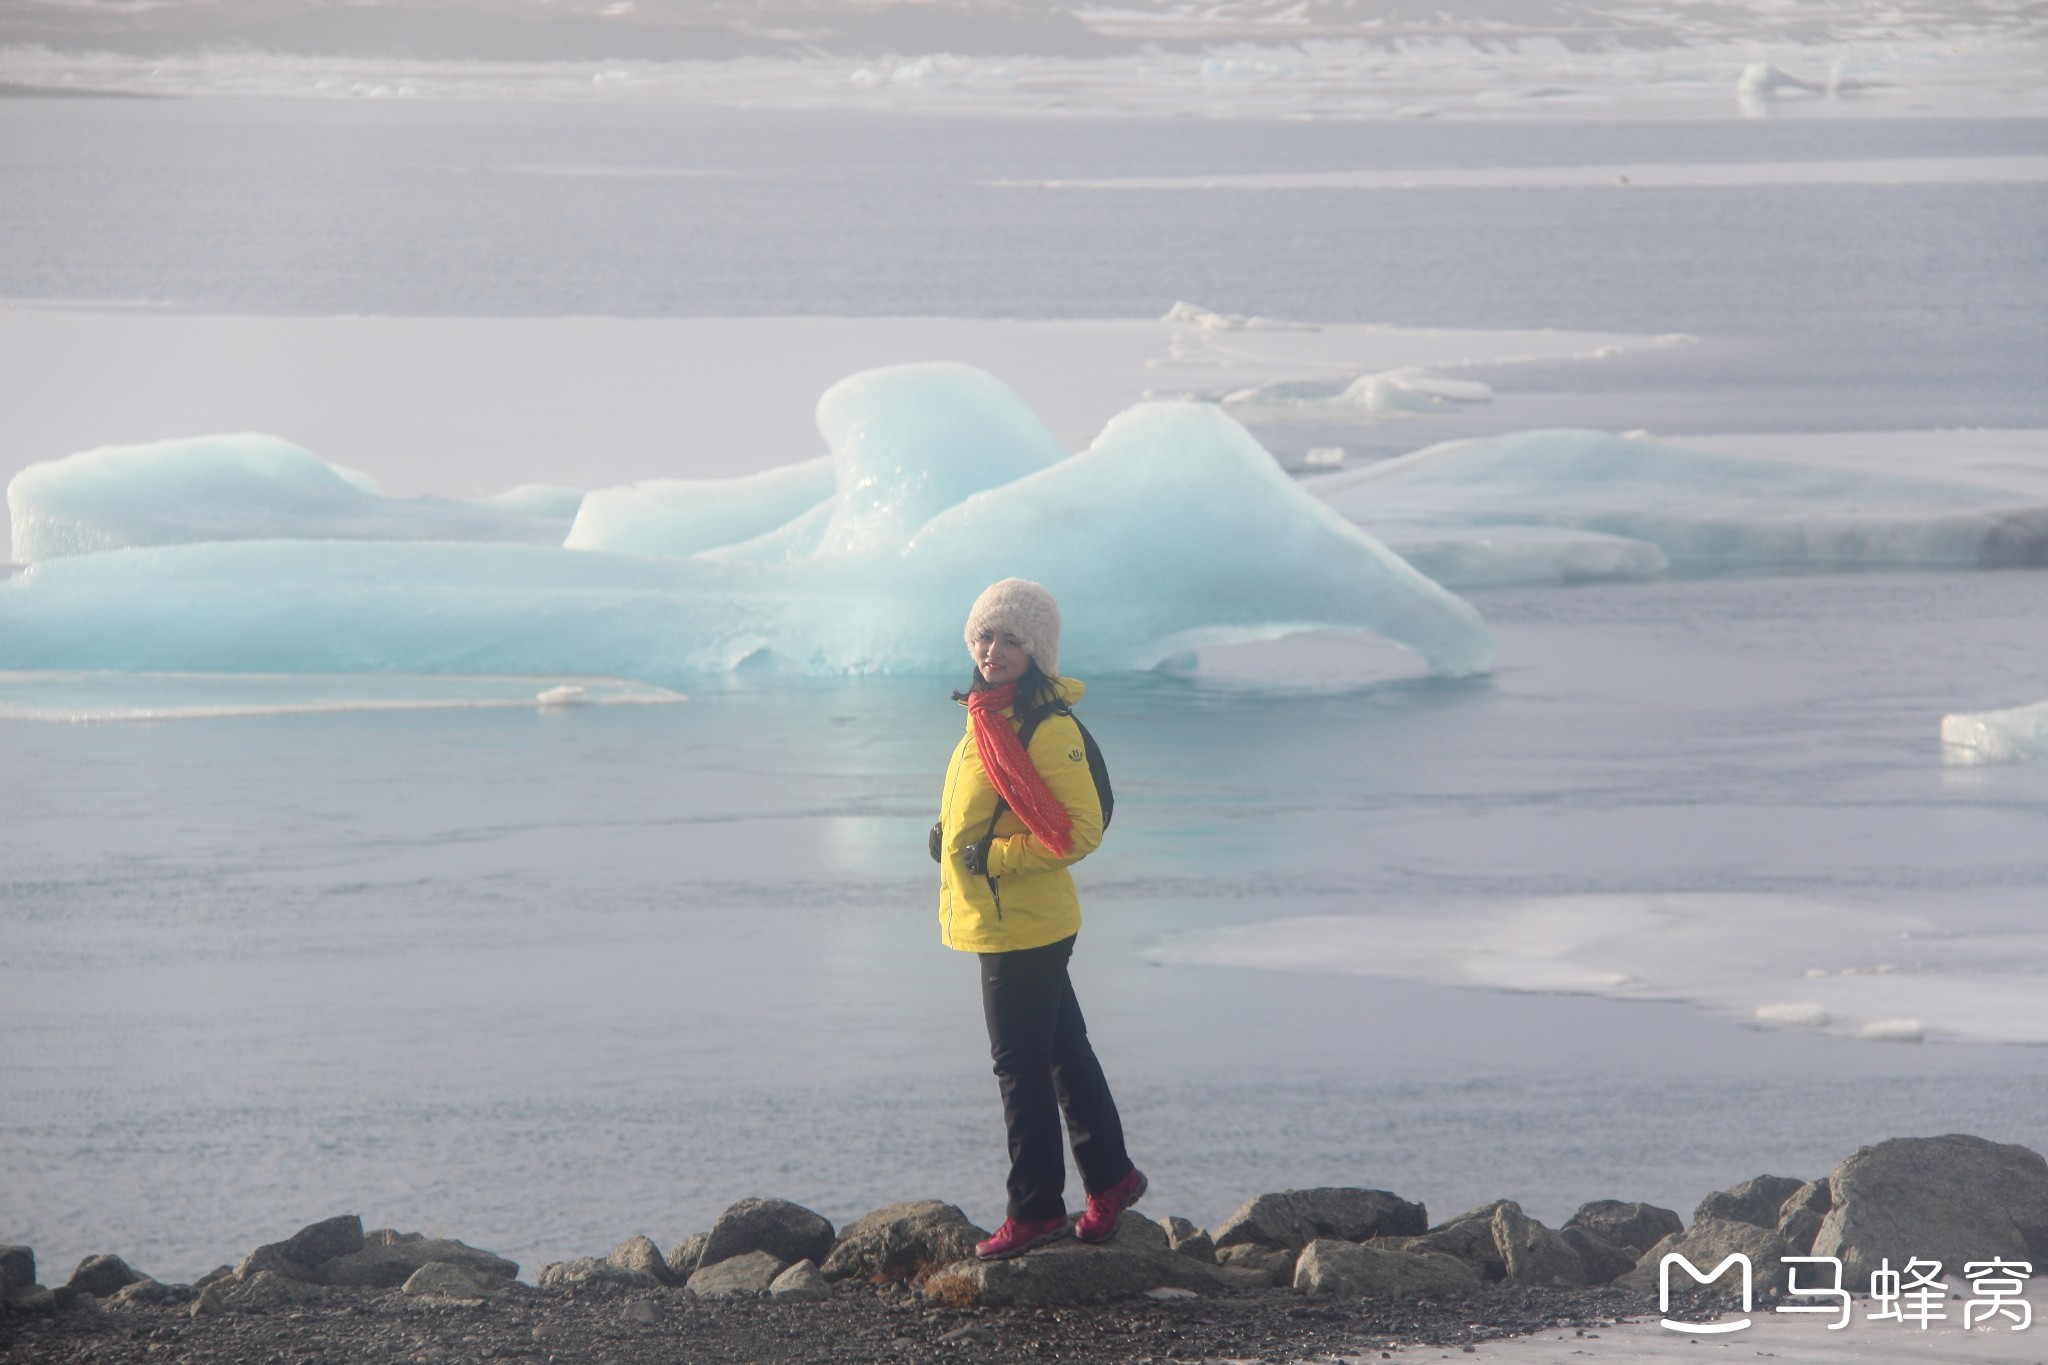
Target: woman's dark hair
1035	691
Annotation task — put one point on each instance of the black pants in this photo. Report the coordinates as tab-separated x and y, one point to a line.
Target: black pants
1046	1067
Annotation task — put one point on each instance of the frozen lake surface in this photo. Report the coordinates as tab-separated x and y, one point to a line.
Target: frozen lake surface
541	977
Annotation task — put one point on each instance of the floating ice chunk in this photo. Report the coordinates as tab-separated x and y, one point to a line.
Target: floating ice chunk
1997	736
684	516
1500	556
565	695
1174	530
1803	1015
1409	389
246	487
1894	1031
1706	512
1197	318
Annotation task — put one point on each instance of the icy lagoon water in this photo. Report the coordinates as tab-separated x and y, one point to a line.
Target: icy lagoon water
541	977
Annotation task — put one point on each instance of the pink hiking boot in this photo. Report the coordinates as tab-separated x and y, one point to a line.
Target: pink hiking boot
1099	1223
1018	1235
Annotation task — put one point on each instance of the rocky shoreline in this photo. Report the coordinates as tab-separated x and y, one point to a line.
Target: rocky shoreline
1290	1275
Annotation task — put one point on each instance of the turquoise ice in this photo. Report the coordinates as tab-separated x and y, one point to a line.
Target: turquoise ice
1174	530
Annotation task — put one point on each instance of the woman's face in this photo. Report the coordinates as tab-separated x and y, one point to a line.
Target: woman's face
999	656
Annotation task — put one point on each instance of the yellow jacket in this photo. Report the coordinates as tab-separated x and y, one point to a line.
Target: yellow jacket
1027	900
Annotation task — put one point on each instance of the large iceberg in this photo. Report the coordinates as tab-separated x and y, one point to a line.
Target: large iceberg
242	487
1702	511
1174	530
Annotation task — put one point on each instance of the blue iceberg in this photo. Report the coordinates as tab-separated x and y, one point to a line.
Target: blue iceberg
242	487
1173	531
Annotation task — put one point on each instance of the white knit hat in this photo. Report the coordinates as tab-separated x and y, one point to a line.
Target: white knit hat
1028	612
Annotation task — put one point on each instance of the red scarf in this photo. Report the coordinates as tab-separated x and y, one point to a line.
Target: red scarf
1010	769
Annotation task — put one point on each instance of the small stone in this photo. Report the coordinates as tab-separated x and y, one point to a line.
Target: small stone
909	1241
102	1276
748	1274
685	1257
641	1254
211	1300
1169	1292
447	1280
788	1232
1294	1218
1187	1239
800	1282
642	1313
29	1298
589	1270
961	1335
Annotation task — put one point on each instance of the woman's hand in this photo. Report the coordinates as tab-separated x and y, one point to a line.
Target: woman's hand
976	857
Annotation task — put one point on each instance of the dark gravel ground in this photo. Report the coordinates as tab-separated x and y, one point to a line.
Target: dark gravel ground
859	1322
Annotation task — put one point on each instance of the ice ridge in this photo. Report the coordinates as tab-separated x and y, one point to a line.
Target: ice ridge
1172	531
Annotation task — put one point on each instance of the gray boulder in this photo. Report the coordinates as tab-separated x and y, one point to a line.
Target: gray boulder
299	1255
1603	1260
1632	1226
1070	1271
388	1259
1348	1270
1257	1267
148	1293
685	1256
1756	1200
1469	1237
102	1276
749	1273
788	1232
800	1282
1294	1218
1187	1239
1705	1245
265	1292
1952	1199
27	1298
446	1280
593	1272
325	1240
903	1242
640	1253
269	1259
1533	1253
1800	1216
17	1267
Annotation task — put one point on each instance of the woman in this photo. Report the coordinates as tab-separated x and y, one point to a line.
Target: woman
1011	822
